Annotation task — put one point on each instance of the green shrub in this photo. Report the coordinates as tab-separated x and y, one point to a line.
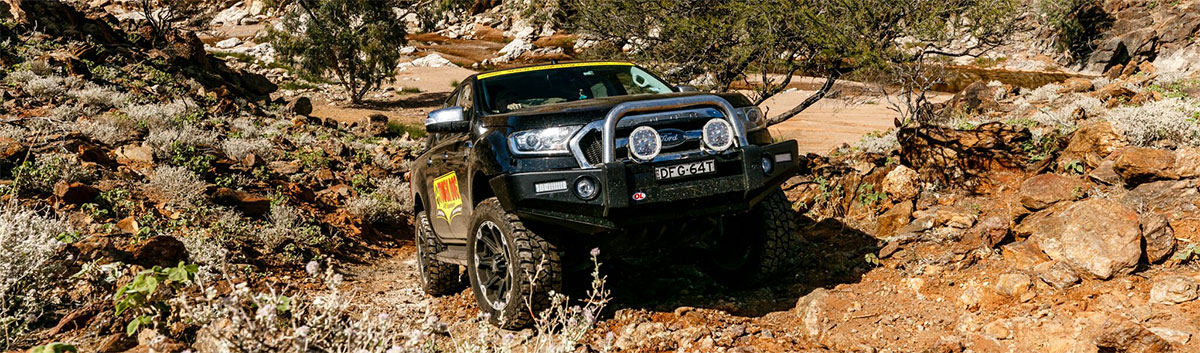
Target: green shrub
143	297
1078	24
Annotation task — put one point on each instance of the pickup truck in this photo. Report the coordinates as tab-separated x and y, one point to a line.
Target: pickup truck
522	162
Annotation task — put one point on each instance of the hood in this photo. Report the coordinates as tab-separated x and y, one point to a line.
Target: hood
585	111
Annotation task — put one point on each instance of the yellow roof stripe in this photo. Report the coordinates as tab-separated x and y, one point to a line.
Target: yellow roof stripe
550	67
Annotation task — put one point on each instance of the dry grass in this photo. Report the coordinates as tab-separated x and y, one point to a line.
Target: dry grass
1171	122
176	186
29	240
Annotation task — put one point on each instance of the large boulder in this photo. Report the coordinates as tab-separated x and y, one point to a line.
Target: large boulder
1099	238
1044	190
1126	336
1138	165
895	218
1187	162
1092	143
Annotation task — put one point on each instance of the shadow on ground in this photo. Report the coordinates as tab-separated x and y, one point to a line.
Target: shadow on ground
832	253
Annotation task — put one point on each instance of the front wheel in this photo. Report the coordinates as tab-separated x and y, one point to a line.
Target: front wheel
512	270
754	246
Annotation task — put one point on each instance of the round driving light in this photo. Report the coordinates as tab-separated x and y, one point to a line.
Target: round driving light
644	143
586	188
768	165
718	135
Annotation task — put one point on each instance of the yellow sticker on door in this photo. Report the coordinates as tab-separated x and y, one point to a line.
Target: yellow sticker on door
448	199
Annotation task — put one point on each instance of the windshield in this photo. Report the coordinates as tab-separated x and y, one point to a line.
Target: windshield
515	91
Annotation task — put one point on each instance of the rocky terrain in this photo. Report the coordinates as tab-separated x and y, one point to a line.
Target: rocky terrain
183	193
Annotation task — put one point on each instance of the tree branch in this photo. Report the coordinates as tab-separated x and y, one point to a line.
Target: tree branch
834	74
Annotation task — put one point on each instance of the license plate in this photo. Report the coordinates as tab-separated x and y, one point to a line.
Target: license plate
685	169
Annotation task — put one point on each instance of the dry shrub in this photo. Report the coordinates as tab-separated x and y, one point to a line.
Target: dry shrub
111	130
879	142
238	148
288	224
1171	122
164	138
176	186
48	169
157	116
99	97
29	240
390	202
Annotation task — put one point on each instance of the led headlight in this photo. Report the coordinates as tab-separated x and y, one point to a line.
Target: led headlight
546	141
644	143
718	135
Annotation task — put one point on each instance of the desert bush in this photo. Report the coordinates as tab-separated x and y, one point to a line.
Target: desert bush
1047	93
164	140
40	67
48	169
177	186
1078	23
100	97
1171	122
877	142
160	115
13	132
288	224
111	130
45	87
20	77
238	148
390	202
29	240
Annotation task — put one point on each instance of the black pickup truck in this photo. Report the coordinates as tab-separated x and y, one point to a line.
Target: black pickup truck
521	162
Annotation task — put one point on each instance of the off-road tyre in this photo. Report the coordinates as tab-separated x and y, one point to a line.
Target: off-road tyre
767	234
437	278
529	290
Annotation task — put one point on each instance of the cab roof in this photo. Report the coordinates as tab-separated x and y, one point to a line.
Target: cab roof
503	72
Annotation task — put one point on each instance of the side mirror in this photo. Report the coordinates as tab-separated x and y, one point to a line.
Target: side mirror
686	88
448	120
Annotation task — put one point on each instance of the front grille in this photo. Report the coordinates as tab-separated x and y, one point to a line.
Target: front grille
593	149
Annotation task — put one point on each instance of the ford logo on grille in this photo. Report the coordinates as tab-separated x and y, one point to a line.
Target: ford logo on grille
672	137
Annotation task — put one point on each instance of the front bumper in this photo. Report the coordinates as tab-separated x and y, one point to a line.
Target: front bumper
738	184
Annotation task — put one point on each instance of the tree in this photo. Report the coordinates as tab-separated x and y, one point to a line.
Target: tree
162	16
764	44
355	42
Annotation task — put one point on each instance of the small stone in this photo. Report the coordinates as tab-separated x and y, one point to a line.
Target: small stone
1173	290
1056	274
895	218
998	330
300	106
1044	190
75	193
1014	284
135	154
812	313
1076	85
1138	165
901	183
128	225
1125	336
1171	335
229	43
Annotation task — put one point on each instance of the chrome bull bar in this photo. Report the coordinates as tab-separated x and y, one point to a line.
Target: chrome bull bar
608	126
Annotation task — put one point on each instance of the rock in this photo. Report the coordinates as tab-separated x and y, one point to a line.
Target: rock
230	16
1092	143
1023	255
300	106
1158	236
1146	96
1171	335
1096	237
1126	336
1138	165
251	205
988	233
901	183
1104	173
1178	200
160	250
1173	290
11	150
431	60
997	329
1015	285
1056	274
284	167
812	313
94	154
976	98
75	193
258	84
374	125
229	43
128	225
895	218
1044	190
1114	90
1187	162
135	155
1076	85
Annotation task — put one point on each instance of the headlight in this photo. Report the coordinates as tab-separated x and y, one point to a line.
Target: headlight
717	134
644	143
751	117
542	141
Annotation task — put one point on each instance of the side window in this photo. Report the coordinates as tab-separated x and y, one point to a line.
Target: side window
453	99
465	98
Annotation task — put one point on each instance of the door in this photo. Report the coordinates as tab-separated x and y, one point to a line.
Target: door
449	177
